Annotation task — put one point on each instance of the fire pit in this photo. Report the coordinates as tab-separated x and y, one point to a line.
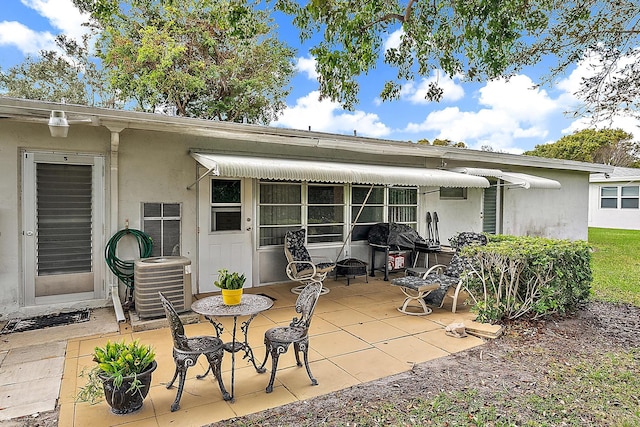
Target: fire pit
351	268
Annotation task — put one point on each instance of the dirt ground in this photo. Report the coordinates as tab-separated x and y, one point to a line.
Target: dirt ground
516	362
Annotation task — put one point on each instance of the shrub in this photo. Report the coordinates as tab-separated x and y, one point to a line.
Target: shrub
517	276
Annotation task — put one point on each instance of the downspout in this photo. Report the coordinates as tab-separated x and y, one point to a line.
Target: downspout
113	182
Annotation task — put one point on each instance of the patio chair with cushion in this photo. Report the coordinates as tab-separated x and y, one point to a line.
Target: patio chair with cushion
187	350
278	339
437	281
301	268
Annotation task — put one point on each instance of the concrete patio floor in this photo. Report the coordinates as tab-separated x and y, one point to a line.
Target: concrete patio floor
357	335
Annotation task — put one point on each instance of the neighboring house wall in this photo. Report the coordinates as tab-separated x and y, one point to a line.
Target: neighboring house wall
623	183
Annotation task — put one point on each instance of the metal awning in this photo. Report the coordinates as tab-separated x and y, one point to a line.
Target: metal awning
519	179
319	171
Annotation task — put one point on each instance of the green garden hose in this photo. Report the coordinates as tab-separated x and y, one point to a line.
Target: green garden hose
124	269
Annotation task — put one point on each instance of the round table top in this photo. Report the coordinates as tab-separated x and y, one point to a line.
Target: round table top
249	305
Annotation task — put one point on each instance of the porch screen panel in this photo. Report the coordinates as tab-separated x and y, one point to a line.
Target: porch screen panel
325	213
403	206
64	219
280	210
372	213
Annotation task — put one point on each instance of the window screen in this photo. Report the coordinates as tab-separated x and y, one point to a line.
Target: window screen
161	221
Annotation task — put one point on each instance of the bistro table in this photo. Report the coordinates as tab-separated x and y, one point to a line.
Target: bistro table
251	305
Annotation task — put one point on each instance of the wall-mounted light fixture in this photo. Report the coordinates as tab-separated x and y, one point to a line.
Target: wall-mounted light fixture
58	125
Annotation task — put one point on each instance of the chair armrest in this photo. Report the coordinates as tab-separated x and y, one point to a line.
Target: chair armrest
438	268
305	266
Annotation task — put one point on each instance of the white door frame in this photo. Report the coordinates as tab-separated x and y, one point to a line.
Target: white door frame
29	221
232	250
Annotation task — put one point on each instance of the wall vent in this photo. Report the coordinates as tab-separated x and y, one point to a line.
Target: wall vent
170	275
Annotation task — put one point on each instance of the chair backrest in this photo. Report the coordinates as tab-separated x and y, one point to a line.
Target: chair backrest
459	263
468	238
175	324
294	248
306	304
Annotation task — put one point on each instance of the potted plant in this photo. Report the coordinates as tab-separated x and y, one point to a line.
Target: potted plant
122	375
231	286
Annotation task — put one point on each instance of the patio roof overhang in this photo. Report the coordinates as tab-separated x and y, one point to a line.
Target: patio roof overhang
320	171
522	180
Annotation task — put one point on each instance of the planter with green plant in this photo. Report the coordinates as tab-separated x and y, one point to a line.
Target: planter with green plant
122	376
231	286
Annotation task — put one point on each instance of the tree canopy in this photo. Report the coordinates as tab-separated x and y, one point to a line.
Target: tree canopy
608	146
206	58
69	75
475	39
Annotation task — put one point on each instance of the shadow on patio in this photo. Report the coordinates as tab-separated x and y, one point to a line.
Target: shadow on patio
357	335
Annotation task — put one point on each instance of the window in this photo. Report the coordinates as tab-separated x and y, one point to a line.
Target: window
325	213
624	197
280	210
226	206
395	204
161	221
372	212
629	197
453	193
321	208
609	197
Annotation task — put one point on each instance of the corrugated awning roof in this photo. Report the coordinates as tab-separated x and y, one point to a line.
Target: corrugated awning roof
520	179
305	170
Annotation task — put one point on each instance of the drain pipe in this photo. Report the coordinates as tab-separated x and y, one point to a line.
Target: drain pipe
113	183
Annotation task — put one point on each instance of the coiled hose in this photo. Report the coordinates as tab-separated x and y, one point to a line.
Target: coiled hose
124	269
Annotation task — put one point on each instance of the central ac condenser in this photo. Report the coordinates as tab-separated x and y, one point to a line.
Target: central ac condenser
170	275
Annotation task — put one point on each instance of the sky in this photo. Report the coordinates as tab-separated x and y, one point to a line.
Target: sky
509	116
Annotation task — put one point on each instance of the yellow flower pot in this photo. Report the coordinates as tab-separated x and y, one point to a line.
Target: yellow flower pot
231	296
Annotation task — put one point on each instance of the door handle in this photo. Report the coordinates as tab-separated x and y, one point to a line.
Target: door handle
248	228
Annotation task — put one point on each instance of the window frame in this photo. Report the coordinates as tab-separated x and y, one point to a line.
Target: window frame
224	207
159	242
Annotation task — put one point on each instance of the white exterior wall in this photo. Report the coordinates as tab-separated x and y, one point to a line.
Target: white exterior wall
627	219
15	137
559	213
155	166
454	215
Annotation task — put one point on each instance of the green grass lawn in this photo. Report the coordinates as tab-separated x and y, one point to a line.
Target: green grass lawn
615	264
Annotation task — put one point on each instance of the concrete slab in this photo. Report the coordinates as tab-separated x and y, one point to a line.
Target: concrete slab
32	371
28	397
35	352
138	324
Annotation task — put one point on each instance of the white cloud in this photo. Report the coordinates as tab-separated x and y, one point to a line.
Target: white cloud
307	66
327	116
25	39
62	15
416	94
393	41
513	109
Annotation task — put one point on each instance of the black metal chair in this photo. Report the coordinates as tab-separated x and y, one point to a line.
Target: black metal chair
301	268
278	339
187	350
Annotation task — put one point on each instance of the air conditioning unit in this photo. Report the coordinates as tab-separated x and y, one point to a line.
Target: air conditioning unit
170	275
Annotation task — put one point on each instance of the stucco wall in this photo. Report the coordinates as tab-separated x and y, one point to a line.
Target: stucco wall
559	214
156	167
627	219
14	138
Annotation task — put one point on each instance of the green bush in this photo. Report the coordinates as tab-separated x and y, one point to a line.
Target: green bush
533	276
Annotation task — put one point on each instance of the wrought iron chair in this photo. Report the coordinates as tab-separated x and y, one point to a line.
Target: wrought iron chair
278	339
187	350
301	268
445	277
